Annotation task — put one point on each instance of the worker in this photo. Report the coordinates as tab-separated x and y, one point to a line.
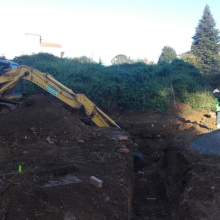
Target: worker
217	107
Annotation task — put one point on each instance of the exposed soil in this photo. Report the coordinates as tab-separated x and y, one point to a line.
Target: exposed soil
177	182
58	154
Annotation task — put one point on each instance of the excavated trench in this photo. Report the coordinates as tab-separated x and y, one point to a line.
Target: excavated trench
161	184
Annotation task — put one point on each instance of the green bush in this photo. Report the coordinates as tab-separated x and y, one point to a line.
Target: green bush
125	87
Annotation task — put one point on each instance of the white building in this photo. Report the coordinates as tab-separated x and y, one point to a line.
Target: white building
27	44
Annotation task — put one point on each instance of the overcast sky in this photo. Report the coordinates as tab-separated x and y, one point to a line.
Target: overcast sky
106	28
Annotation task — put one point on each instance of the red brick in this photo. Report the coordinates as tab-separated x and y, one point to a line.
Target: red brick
33	129
124	150
140	173
123	138
95	182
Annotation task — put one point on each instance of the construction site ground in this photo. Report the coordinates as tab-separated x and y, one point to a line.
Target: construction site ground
48	155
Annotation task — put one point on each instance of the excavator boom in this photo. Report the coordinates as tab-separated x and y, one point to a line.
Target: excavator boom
11	78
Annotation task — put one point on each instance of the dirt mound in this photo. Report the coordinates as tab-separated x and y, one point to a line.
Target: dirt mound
40	117
58	154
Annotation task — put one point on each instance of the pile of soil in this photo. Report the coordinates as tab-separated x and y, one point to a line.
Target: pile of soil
57	154
41	117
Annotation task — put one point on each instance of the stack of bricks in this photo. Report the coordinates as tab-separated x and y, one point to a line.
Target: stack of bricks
123	149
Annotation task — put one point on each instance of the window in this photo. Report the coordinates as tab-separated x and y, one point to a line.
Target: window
4	66
14	65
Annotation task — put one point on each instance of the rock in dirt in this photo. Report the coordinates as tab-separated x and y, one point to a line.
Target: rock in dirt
69	216
30	101
49	140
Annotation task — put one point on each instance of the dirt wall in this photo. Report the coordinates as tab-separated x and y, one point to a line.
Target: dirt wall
192	183
184	183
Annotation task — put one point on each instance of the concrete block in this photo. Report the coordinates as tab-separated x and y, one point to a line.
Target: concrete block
95	182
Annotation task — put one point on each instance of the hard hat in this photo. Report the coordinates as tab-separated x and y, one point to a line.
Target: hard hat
216	91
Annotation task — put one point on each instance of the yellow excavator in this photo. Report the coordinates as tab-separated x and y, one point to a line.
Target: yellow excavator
11	88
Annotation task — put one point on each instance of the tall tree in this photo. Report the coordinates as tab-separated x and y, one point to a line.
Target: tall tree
191	58
168	54
205	42
120	59
84	59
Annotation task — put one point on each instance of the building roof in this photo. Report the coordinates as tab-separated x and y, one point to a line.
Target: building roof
33	34
43	44
185	53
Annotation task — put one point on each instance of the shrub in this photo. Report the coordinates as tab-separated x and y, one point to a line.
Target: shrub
125	87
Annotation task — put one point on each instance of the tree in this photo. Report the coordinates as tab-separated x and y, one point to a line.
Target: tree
168	54
191	58
84	59
120	59
205	42
145	61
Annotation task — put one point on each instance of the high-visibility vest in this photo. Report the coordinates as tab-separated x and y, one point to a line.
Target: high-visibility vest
217	107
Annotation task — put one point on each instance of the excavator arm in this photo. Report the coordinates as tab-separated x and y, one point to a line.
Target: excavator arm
10	78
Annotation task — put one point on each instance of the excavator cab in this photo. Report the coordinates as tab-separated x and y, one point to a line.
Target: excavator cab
7	65
16	92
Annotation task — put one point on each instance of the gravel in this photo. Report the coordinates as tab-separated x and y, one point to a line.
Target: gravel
208	143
